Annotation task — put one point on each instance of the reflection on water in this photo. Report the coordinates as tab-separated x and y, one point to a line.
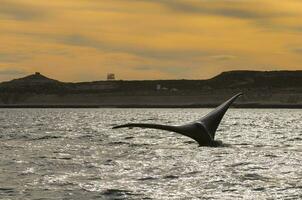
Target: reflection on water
74	154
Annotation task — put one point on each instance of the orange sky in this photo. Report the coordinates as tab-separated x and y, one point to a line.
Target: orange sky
81	40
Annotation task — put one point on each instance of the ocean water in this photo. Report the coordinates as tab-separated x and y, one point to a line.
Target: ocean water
74	154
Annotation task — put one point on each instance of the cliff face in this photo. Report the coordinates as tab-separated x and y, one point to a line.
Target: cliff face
280	87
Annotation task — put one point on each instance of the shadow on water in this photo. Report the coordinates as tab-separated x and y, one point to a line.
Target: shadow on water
171	177
47	137
121	194
7	191
149	178
253	176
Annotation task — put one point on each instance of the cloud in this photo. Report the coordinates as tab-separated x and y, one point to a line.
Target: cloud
224	57
297	50
143	68
12	57
11	9
268	14
175	70
234	9
85	41
167	69
148	38
80	40
12	72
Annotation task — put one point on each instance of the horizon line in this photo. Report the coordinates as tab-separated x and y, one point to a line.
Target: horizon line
252	71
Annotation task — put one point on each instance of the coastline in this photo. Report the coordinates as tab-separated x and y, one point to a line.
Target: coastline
247	105
275	89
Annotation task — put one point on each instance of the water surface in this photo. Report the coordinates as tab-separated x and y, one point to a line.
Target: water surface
74	154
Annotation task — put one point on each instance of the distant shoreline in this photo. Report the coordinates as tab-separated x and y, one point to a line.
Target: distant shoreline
253	105
275	89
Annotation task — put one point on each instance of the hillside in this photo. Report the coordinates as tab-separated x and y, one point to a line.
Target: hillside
283	88
257	79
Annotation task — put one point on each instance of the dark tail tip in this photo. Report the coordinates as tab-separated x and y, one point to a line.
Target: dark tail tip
120	126
235	97
239	94
116	127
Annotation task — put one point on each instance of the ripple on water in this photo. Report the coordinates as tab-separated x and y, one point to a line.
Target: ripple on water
47	137
239	164
28	171
149	178
171	177
253	177
74	154
119	194
118	143
7	191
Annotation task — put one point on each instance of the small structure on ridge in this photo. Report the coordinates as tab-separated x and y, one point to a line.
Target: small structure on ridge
110	77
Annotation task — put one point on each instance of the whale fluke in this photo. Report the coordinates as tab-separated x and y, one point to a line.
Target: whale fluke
212	120
202	130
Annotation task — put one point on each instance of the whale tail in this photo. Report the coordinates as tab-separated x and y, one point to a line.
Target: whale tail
212	120
202	130
153	126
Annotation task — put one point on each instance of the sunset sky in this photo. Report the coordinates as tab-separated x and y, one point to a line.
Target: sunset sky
83	40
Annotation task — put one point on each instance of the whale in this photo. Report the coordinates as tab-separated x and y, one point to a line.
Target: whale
202	130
